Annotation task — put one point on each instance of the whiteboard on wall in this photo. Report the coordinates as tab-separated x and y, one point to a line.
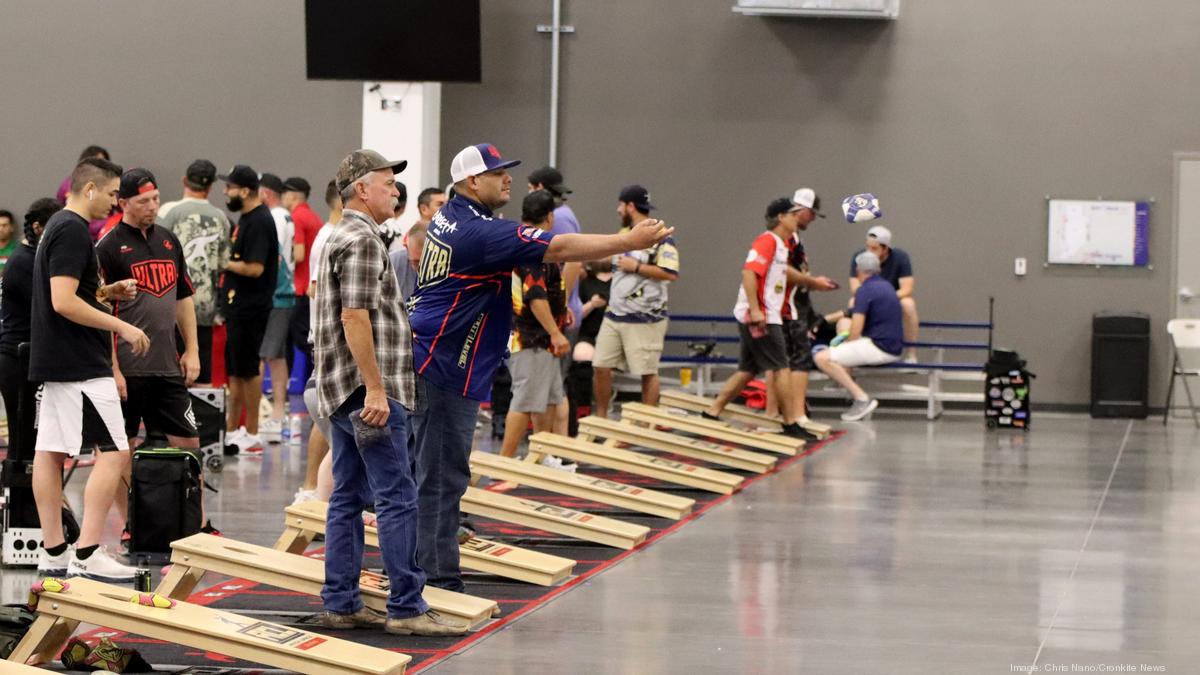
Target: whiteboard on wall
1094	232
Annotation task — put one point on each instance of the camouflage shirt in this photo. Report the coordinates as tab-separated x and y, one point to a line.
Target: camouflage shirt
203	231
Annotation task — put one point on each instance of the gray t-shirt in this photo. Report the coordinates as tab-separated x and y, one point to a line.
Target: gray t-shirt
203	231
634	298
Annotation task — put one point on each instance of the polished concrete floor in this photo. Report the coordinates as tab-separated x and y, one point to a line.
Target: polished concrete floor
906	546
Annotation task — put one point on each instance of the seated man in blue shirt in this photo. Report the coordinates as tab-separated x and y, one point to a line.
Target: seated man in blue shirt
896	268
876	335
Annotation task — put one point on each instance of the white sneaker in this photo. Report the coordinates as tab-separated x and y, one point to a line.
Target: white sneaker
271	430
250	443
557	463
235	437
101	566
54	565
303	495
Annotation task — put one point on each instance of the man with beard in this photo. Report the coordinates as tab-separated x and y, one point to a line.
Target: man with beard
203	232
635	324
153	386
249	288
461	318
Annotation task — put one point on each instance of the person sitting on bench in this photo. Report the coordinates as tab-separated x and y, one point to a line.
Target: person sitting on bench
876	335
896	268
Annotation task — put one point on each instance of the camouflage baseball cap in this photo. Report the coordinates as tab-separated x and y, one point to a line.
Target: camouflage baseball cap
362	162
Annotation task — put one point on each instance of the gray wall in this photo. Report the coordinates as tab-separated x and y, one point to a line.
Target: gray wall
161	83
960	116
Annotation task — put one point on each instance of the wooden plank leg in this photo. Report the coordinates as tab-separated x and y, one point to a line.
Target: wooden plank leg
56	639
180	581
295	539
36	639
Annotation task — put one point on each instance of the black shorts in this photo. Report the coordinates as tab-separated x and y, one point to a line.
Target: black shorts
163	402
298	327
799	345
243	338
761	354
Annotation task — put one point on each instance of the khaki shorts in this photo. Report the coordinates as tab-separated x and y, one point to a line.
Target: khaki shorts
630	347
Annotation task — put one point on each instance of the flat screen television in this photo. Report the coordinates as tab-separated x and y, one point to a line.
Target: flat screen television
393	40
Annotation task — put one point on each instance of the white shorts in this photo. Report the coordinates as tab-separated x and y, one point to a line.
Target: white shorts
72	413
860	352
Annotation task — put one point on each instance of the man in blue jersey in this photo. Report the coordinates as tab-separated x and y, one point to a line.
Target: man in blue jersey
461	317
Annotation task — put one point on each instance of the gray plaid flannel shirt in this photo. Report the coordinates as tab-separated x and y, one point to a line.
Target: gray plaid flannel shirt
356	274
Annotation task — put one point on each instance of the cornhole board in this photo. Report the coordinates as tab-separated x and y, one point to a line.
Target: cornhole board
581	485
637	463
306	519
592	427
735	412
108	606
14	668
721	431
192	557
585	526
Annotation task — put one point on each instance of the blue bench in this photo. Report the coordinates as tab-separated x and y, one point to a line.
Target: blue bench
937	369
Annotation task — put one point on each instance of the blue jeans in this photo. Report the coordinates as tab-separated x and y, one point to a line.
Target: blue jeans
384	470
444	422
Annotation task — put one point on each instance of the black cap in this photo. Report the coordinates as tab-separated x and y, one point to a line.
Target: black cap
780	206
241	176
297	184
638	196
201	174
551	179
537	206
136	181
271	182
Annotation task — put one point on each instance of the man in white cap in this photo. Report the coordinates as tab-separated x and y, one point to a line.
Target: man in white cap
875	336
896	268
461	317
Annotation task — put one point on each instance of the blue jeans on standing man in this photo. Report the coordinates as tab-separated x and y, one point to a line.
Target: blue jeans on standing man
385	470
444	422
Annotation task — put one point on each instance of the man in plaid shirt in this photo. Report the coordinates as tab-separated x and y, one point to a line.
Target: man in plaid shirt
363	351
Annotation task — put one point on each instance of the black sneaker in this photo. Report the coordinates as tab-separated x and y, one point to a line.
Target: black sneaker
794	430
709	416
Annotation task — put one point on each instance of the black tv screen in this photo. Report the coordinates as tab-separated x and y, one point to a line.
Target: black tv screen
393	40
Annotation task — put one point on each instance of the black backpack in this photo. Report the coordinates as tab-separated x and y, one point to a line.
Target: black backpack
164	499
15	621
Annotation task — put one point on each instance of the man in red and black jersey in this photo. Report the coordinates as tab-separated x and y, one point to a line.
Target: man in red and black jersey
539	316
153	386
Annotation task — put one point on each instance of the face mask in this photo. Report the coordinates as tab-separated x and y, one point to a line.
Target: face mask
234	204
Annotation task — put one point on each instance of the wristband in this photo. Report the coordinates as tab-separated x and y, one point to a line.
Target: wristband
638	269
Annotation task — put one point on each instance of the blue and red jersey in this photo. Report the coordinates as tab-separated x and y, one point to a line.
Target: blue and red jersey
461	312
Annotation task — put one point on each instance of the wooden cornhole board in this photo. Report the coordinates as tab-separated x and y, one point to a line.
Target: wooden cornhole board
192	556
107	606
757	440
592	427
14	668
585	526
733	411
638	463
581	485
306	519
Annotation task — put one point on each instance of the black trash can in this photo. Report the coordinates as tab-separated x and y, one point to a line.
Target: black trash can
1120	364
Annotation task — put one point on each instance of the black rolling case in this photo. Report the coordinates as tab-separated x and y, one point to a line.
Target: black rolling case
164	500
